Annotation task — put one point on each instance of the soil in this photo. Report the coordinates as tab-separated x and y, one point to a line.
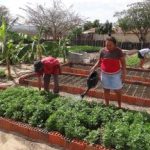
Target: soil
129	72
129	89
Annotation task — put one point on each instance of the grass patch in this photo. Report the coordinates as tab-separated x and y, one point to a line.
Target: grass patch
84	48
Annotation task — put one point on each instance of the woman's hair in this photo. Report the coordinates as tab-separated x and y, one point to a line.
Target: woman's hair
38	66
112	39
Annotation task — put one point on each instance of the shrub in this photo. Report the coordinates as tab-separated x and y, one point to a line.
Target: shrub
2	73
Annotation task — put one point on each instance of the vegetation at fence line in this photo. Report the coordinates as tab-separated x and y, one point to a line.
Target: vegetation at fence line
84	48
132	60
120	129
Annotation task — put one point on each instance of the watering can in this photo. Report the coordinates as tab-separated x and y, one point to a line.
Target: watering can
92	81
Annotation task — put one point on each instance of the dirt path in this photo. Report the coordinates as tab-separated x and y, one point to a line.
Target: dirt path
9	141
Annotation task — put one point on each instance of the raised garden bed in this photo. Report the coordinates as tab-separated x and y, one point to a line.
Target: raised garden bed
81	122
136	94
134	74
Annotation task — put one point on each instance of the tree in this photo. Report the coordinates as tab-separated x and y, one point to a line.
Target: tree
124	24
108	27
87	25
76	32
136	19
57	20
96	23
105	28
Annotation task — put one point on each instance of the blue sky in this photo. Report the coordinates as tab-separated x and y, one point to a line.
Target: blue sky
90	9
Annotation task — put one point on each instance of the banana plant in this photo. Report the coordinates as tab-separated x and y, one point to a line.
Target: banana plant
37	46
63	47
7	45
32	51
5	49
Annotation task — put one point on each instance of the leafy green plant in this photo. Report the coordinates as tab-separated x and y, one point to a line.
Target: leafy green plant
73	129
120	135
107	135
51	122
40	115
136	137
93	137
14	108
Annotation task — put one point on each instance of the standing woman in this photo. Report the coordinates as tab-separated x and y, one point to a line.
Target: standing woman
113	69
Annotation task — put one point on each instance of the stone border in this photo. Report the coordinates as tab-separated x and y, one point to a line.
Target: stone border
52	138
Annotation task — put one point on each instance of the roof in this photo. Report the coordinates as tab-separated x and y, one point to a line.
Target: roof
92	30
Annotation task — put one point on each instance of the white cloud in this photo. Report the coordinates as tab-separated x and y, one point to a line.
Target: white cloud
92	9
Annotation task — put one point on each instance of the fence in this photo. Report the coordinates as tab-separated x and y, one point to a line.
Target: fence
123	45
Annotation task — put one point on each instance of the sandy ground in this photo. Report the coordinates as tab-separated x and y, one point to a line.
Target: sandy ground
9	141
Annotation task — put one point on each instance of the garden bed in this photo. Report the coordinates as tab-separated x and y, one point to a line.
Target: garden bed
136	94
136	74
81	122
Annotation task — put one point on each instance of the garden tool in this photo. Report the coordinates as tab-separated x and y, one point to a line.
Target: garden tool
92	81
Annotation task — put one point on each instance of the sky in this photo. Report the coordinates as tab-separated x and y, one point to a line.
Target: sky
88	9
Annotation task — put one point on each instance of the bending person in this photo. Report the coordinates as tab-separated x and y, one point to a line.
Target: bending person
46	68
142	56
